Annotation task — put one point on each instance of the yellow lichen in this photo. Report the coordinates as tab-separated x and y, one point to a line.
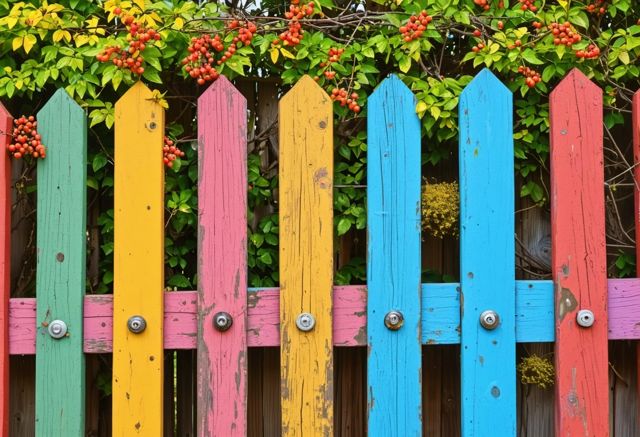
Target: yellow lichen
536	370
440	209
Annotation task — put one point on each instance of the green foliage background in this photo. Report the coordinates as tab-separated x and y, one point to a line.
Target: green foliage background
49	45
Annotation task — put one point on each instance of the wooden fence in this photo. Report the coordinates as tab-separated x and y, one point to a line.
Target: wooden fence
487	313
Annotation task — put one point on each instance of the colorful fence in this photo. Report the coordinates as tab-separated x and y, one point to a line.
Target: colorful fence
487	312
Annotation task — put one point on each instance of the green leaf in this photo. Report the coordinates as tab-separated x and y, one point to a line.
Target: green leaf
152	75
405	64
530	56
344	224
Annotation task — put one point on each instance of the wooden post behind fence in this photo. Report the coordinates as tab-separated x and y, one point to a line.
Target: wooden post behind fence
6	129
138	370
306	260
394	366
61	265
222	261
487	259
579	257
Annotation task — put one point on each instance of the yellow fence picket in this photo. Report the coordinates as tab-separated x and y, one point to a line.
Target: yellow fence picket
138	265
306	260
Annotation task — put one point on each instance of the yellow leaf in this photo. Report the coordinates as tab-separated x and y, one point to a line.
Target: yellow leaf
16	43
563	3
178	23
140	4
11	22
286	53
81	39
275	53
435	111
29	42
58	35
421	107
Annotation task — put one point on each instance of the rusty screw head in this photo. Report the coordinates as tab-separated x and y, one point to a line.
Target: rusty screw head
489	320
305	322
393	320
136	324
57	329
222	321
585	318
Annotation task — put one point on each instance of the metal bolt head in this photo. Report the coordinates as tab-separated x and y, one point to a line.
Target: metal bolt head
136	324
57	329
489	320
305	322
585	318
394	320
222	321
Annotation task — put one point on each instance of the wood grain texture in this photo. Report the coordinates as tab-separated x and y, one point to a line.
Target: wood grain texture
487	257
60	279
440	325
394	365
6	127
579	257
222	260
138	264
306	259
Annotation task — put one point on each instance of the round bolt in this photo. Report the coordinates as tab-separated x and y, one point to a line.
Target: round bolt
222	321
394	320
136	324
305	322
57	329
585	318
489	320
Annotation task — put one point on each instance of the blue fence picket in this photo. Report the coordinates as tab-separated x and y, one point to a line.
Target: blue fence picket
393	268
487	258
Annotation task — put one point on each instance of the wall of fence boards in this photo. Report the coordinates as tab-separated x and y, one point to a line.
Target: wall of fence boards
315	384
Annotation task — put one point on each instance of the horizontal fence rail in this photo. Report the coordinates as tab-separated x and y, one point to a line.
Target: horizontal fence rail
487	313
440	316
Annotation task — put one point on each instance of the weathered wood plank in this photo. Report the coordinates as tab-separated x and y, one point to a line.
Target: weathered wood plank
222	260
180	317
487	258
579	256
394	365
6	129
138	264
60	279
306	259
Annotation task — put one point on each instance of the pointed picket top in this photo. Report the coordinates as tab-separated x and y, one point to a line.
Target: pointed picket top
483	82
391	85
306	86
577	80
134	94
61	99
221	85
6	126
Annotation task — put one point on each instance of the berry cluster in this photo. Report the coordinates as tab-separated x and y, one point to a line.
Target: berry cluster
597	7
477	47
517	43
484	4
334	56
170	152
294	33
130	58
415	26
537	25
564	34
528	5
26	140
531	75
199	62
342	96
593	51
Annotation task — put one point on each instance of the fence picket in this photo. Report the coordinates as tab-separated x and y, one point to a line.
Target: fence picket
306	259
487	258
394	363
60	279
579	256
138	264
222	260
6	129
635	127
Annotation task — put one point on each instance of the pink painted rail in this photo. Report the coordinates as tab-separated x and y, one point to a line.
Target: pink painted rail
263	325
